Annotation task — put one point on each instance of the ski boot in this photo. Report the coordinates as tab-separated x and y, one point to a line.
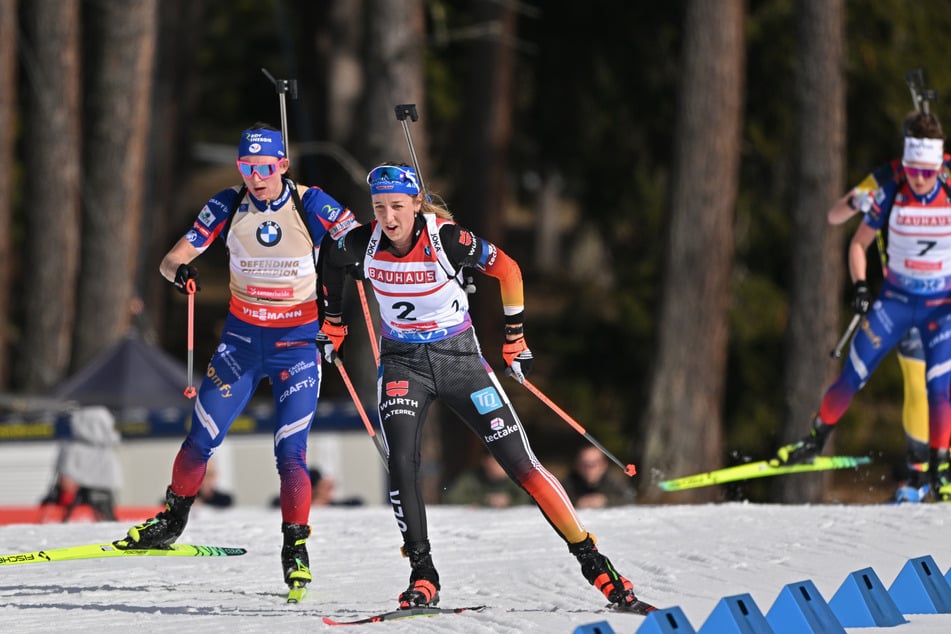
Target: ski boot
599	572
294	557
423	587
163	529
807	449
938	467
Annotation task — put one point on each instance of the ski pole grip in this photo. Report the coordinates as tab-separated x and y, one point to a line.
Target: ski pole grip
404	110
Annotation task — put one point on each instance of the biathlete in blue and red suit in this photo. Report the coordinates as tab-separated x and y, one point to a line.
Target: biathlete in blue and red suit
272	228
877	191
916	293
414	254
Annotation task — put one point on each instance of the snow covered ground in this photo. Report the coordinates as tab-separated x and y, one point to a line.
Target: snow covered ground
510	560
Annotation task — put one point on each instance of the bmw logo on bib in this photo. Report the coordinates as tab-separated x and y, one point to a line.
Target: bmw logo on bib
269	233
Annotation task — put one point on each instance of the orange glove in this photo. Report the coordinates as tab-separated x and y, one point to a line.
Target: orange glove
330	339
518	359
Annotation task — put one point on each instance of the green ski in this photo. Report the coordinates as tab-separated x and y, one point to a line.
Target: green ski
761	469
111	549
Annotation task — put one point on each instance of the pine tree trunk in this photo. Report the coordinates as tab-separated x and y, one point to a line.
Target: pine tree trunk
8	97
480	163
817	257
684	415
118	102
52	179
170	141
395	42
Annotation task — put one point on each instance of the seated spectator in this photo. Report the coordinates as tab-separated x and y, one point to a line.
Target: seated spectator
486	485
87	471
323	491
591	484
209	494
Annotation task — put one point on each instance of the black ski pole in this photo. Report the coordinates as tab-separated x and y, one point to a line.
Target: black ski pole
403	111
283	87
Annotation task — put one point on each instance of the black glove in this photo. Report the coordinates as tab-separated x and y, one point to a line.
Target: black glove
355	271
861	297
184	273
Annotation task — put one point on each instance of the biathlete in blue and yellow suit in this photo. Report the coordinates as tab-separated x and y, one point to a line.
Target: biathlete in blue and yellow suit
269	332
915	295
413	254
883	184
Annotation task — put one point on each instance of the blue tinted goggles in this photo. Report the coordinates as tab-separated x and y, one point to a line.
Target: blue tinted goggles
393	179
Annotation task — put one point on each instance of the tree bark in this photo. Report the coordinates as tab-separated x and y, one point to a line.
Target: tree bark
817	258
119	90
8	97
481	168
395	46
52	161
174	98
684	415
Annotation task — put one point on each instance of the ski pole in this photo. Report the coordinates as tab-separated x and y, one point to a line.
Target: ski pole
283	86
837	351
369	320
190	391
361	410
403	111
629	470
920	95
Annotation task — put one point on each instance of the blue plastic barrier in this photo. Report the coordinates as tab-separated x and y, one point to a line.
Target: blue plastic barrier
800	609
919	588
666	621
862	601
737	614
599	627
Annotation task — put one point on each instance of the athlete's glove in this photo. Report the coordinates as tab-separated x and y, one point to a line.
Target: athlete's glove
355	271
862	202
184	273
861	297
330	339
518	359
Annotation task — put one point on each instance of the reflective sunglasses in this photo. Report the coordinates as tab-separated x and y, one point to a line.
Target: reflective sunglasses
915	172
264	170
392	173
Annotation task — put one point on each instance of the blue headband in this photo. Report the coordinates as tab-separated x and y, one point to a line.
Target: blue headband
261	143
393	179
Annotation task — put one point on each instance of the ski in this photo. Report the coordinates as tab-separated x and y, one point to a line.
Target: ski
408	613
297	593
761	469
115	549
638	607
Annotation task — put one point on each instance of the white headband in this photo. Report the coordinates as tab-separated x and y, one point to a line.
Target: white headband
925	151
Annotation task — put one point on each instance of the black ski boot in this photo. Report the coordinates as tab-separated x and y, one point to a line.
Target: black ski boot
807	449
938	469
599	572
294	557
163	529
423	587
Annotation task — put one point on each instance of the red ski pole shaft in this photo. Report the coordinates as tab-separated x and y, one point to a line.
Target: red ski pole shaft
360	410
369	320
628	469
190	388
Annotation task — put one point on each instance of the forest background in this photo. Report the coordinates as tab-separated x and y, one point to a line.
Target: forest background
661	171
